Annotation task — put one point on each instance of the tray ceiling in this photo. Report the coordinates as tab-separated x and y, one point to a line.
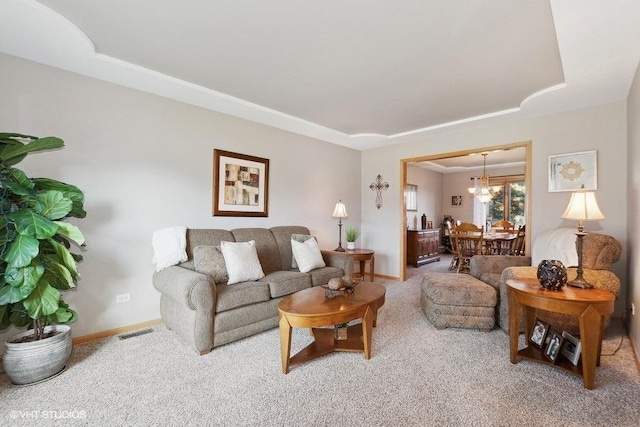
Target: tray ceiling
357	73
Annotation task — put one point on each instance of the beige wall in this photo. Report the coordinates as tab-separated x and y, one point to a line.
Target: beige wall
429	195
601	128
633	160
145	162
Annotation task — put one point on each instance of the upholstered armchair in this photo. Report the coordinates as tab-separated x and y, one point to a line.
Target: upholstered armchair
600	251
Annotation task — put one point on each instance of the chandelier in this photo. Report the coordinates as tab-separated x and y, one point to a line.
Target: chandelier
481	189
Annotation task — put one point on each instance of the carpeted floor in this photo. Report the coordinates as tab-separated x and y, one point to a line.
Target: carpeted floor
441	266
417	376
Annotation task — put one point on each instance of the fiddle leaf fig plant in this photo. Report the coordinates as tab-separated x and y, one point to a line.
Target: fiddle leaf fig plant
36	261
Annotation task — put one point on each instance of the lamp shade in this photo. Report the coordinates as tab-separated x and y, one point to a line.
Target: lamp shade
340	211
583	207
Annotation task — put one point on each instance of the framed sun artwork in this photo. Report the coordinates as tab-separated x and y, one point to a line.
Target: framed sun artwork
568	172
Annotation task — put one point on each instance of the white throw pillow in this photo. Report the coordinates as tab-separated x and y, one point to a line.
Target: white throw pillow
241	259
298	238
307	255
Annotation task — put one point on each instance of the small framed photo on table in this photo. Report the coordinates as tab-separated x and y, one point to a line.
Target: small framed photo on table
571	348
539	333
553	348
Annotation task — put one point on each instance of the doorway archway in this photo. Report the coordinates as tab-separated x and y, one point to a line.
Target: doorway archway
403	179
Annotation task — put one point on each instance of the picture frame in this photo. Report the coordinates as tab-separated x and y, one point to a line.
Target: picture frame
552	352
240	185
456	200
571	349
539	333
568	172
411	197
429	225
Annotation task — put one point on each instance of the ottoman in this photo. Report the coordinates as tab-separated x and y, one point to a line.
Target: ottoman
453	300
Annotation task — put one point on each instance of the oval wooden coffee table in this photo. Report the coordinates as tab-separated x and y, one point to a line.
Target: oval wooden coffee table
310	308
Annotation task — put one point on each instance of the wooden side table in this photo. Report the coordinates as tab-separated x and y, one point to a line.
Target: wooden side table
364	255
590	305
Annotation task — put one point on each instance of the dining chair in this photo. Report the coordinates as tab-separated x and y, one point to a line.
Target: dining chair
468	241
518	245
453	265
503	225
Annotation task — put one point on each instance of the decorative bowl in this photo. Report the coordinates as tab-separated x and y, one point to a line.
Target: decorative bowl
552	274
347	287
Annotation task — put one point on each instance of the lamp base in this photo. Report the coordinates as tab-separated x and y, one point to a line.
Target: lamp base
579	282
339	249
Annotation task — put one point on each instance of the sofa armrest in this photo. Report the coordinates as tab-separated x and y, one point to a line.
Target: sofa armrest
341	260
600	279
195	290
495	264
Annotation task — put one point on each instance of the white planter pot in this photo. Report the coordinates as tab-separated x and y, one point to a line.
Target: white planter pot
351	245
29	362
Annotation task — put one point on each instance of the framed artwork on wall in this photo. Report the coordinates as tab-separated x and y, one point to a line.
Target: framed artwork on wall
240	184
568	172
456	200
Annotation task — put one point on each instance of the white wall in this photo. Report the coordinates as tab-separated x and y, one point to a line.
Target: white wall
145	162
601	128
633	160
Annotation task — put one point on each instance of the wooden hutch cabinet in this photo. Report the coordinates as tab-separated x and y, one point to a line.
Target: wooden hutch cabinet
423	246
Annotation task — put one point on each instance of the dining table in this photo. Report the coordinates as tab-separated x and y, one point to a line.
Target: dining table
498	243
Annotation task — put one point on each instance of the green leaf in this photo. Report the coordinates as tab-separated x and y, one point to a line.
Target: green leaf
69	191
4	317
8	142
54	205
70	231
21	177
20	283
57	274
32	224
43	301
22	251
65	256
7	234
12	154
20	318
15	187
63	314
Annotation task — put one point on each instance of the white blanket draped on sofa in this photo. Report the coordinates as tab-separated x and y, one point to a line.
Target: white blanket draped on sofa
169	246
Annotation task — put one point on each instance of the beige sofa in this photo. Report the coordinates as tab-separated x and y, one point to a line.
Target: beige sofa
600	251
206	312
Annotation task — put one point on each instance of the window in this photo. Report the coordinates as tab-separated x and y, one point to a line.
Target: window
411	197
513	198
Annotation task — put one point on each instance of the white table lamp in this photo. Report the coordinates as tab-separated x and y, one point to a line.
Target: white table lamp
582	207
